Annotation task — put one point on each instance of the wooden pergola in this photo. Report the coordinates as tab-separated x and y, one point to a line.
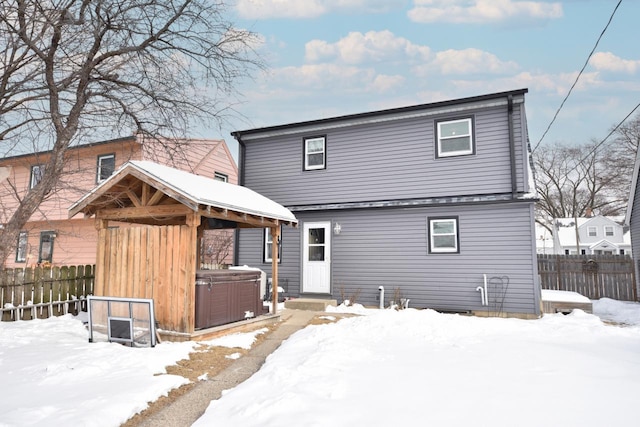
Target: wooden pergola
160	262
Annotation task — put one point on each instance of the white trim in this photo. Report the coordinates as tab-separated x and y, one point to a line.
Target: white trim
441	139
308	167
432	235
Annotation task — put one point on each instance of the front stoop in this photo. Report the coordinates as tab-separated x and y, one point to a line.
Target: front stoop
310	304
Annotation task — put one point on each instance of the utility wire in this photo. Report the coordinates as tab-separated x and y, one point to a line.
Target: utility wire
578	77
593	150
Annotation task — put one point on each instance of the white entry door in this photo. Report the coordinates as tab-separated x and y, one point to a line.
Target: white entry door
316	258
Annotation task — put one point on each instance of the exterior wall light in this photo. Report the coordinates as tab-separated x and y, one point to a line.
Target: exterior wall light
337	228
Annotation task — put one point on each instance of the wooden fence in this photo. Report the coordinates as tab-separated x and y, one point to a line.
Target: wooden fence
594	276
29	293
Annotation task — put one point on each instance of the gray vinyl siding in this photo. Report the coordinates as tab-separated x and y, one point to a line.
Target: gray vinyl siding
388	161
634	227
389	247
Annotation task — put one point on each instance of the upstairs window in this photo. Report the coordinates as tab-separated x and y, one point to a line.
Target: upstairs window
21	249
37	171
592	231
454	137
608	230
315	153
443	235
106	167
220	177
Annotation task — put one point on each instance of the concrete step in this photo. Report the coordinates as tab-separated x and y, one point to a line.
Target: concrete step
310	304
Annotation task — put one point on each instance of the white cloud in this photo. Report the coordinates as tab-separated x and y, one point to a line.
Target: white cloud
556	84
385	83
468	61
357	48
482	11
266	9
322	76
607	61
333	77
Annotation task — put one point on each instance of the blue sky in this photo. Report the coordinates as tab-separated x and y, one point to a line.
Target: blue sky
335	57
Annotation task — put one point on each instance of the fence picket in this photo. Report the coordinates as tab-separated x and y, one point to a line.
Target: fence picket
594	276
42	292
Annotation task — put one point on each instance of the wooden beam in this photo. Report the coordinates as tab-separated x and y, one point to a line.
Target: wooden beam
146	190
242	218
134	198
155	198
160	211
275	238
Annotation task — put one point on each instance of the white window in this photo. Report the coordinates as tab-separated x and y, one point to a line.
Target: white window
608	230
315	153
220	177
21	250
106	166
454	137
268	246
36	175
45	253
592	231
443	235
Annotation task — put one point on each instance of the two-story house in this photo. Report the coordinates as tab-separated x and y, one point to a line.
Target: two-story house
49	236
595	235
432	202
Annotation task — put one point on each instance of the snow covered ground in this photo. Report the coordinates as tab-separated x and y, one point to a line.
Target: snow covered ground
412	367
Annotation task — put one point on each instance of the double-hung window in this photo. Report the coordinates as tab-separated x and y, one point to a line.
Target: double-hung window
45	254
37	171
268	246
592	231
608	230
106	166
21	248
315	153
455	137
443	235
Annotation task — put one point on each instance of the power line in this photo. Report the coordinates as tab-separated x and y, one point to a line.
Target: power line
578	77
593	150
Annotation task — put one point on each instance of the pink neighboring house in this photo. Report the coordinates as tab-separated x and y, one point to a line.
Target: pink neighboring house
49	236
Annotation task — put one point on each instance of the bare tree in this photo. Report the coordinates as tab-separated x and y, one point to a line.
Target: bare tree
573	180
76	70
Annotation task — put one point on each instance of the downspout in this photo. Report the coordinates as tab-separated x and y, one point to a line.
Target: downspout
241	155
512	146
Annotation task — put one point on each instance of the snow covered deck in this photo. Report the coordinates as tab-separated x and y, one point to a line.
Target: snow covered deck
564	302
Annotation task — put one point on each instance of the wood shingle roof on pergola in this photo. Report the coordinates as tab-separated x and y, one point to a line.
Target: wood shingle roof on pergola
162	264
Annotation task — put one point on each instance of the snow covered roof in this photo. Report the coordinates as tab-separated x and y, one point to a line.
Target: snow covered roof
194	191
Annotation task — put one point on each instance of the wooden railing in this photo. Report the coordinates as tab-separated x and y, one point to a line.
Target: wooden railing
594	276
40	292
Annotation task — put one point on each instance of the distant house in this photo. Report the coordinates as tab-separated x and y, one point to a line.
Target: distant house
431	202
597	235
49	236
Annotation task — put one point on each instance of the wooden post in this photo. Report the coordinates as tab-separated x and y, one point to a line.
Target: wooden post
275	239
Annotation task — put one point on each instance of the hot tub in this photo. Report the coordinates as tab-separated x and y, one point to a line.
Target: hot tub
226	296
